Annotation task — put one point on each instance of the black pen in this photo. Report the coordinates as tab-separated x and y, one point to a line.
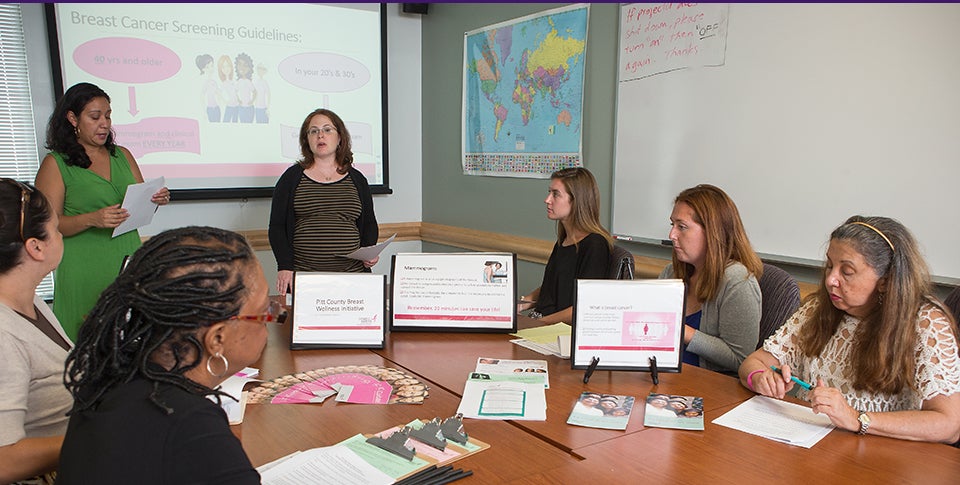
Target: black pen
450	477
593	367
420	475
436	475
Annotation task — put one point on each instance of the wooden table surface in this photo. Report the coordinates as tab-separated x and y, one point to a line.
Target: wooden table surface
270	431
448	361
529	452
723	455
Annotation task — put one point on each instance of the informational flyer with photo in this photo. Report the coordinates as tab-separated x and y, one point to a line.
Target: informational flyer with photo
527	371
338	310
626	322
606	411
672	411
454	291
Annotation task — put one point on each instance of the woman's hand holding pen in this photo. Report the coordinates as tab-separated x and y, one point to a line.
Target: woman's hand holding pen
830	402
773	384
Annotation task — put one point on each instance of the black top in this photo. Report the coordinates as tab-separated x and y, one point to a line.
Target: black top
129	439
283	219
588	259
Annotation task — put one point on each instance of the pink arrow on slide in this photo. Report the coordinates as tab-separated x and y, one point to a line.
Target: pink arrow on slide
132	93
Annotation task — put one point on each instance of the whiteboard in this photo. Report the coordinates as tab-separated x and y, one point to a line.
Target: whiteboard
816	112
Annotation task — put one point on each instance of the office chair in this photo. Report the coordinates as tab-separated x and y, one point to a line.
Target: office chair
781	297
953	302
621	264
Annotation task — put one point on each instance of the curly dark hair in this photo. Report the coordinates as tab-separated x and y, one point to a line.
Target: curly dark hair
62	136
243	56
177	283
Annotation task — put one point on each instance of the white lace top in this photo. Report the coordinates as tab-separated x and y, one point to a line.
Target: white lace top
937	369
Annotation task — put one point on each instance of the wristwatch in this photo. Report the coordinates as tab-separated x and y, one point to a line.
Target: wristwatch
864	419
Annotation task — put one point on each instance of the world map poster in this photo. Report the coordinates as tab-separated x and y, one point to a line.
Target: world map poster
523	94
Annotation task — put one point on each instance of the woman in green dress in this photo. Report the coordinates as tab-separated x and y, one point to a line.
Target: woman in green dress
85	177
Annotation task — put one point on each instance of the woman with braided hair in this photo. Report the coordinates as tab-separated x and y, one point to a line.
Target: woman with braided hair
188	311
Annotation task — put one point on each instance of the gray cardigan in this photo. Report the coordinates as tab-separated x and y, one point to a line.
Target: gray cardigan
730	323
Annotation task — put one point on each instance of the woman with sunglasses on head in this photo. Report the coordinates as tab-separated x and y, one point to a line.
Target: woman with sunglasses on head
187	312
33	346
85	177
322	205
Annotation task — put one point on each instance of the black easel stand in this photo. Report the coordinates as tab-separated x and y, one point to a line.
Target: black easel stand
653	370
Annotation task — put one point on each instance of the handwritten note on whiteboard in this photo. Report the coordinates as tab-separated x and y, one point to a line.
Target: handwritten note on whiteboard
662	37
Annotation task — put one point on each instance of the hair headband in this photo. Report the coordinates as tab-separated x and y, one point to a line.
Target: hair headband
885	238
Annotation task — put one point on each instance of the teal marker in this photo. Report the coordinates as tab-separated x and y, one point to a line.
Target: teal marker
805	385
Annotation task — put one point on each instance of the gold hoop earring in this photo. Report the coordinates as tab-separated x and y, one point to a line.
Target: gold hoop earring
226	365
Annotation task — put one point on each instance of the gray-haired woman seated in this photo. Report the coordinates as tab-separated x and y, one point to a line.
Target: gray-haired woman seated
878	349
188	311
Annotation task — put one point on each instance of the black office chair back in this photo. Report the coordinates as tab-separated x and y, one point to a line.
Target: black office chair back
621	264
953	303
781	297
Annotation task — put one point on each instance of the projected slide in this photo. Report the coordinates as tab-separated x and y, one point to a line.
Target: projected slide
213	95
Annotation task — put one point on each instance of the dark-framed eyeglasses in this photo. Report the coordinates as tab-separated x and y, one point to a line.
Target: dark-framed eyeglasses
25	191
275	314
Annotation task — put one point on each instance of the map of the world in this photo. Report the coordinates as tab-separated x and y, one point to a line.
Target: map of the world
523	94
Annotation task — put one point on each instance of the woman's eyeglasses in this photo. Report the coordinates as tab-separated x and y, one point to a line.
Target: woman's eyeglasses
275	314
326	130
25	192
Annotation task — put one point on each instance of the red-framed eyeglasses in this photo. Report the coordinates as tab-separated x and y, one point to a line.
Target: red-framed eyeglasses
275	314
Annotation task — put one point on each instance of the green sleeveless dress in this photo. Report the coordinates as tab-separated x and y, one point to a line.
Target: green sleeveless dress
92	258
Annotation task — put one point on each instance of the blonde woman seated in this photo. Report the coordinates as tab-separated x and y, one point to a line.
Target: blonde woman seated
880	352
582	250
712	254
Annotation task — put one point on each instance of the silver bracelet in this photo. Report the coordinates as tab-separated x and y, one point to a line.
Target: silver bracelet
535	315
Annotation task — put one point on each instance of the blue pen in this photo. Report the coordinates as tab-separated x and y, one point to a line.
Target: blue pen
805	385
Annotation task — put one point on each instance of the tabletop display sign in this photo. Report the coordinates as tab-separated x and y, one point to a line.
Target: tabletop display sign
628	325
338	310
460	292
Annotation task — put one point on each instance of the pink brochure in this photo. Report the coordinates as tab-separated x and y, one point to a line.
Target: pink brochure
292	395
365	393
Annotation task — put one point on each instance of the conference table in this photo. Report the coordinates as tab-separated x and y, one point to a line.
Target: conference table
551	451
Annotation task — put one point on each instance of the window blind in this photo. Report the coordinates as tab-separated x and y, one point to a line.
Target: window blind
18	141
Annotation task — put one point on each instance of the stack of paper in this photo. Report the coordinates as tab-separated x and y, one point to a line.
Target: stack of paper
547	340
358	462
777	420
506	389
234	387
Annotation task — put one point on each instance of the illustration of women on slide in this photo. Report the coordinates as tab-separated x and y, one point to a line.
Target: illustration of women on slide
209	90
